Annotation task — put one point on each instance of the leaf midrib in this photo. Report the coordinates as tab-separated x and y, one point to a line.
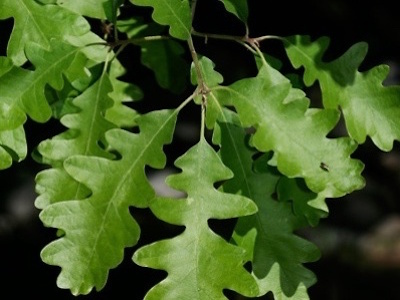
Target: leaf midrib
122	182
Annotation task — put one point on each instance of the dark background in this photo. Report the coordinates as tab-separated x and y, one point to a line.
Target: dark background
360	240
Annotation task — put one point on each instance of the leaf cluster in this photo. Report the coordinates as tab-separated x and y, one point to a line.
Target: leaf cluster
266	157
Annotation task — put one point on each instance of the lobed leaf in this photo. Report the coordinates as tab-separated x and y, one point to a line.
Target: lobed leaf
210	77
297	135
200	263
86	130
98	228
31	24
276	253
121	114
26	89
173	13
86	127
369	107
23	92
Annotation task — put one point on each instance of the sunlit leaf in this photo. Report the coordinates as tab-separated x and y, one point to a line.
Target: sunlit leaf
98	228
296	134
26	88
200	264
13	146
369	107
123	92
34	22
86	130
90	8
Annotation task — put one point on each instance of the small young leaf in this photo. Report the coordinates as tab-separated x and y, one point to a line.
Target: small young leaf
211	77
369	108
200	264
98	228
174	13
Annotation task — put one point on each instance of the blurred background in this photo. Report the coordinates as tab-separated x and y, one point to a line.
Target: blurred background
359	241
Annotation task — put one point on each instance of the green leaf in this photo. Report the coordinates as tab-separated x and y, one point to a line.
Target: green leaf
12	146
164	57
238	8
295	192
6	65
98	9
173	13
296	134
11	116
98	228
268	235
211	79
200	264
207	68
56	185
22	92
31	24
137	27
27	88
120	114
369	107
86	130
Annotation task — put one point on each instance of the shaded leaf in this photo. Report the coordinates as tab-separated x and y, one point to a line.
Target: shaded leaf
238	8
136	27
276	253
369	107
200	264
174	13
98	228
164	57
295	191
